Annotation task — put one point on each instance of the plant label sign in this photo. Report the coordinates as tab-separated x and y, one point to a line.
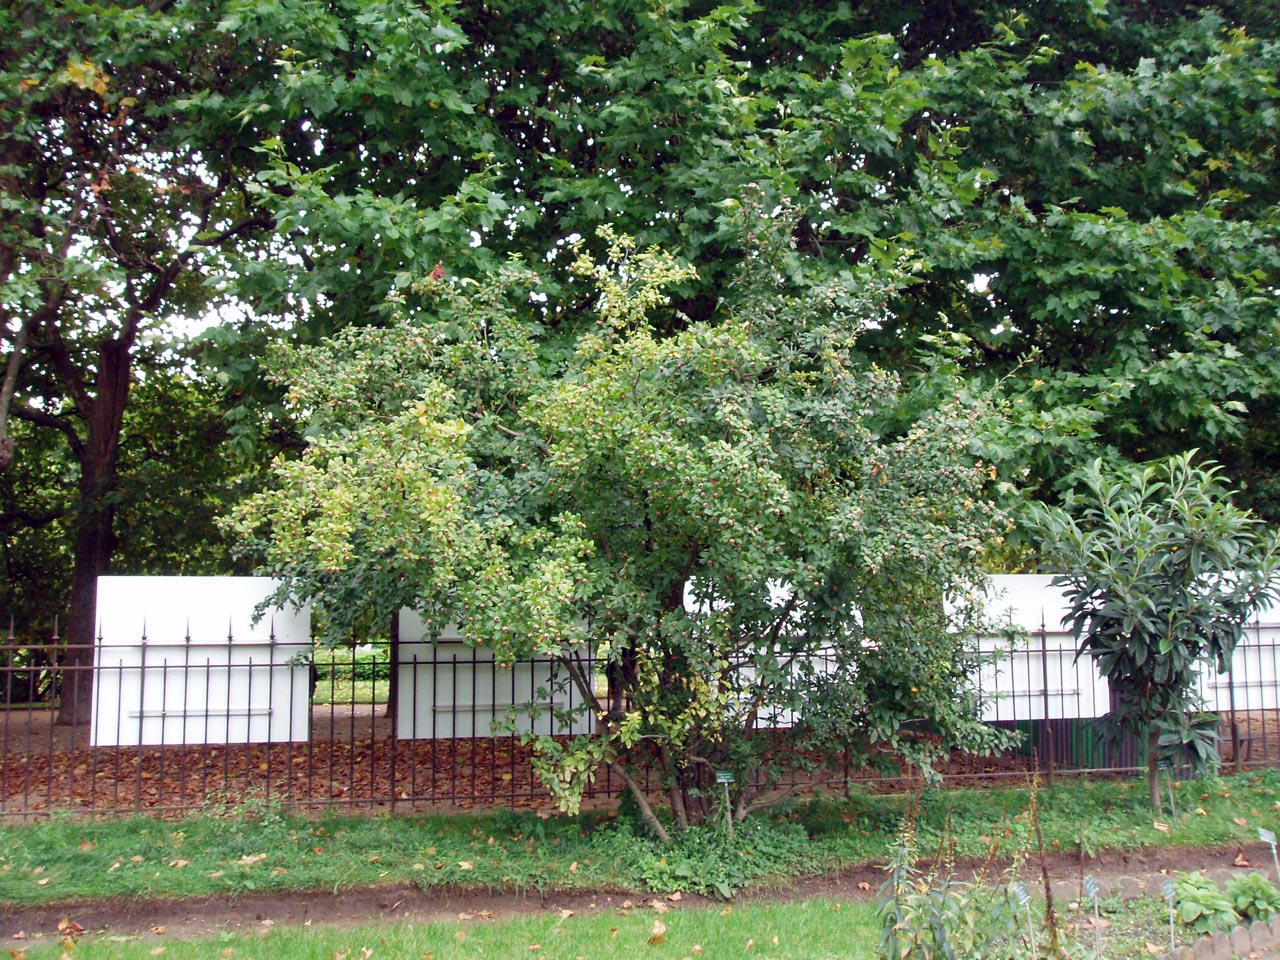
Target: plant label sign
1091	886
724	776
1269	838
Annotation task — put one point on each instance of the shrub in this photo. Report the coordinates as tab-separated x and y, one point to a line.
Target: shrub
1254	897
1201	905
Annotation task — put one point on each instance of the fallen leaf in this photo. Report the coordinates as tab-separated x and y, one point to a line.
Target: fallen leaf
114	866
659	934
750	944
20	935
535	947
466	916
157	951
863	885
1162	827
135	859
158	930
466	865
87	845
659	907
1199	812
627	904
366	953
69	928
697	950
248	860
179	864
726	911
215	875
775	941
1241	860
566	914
573	867
674	896
1240	821
42	881
1154	949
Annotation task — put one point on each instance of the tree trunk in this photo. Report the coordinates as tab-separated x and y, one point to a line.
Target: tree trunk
1153	768
95	528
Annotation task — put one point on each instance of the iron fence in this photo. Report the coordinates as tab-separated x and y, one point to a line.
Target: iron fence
175	725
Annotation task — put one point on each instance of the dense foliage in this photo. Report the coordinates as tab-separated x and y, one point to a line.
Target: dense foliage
728	517
1163	572
1079	203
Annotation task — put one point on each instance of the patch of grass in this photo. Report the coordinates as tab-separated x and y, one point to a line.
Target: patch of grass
813	930
351	691
258	847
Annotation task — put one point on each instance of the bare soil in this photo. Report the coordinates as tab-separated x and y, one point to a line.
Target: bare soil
209	916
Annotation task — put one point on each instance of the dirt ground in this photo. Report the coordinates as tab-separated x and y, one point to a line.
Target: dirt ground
209	916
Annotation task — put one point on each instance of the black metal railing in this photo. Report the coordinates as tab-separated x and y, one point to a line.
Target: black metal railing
175	725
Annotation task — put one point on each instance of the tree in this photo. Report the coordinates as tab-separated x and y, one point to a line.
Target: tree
1162	572
715	514
1088	189
118	200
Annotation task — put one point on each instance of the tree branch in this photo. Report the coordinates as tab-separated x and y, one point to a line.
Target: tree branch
61	424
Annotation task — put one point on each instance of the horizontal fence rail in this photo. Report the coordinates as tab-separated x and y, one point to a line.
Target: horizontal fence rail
174	724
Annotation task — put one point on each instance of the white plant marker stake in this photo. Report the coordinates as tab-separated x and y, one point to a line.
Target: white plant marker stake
1092	889
724	778
1167	889
1269	838
1023	896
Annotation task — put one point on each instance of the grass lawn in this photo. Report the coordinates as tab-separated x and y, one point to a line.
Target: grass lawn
811	930
258	848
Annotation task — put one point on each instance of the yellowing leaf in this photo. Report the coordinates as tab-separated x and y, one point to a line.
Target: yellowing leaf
659	934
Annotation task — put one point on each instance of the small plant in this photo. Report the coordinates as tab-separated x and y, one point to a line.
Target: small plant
932	916
1201	905
708	860
1254	897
